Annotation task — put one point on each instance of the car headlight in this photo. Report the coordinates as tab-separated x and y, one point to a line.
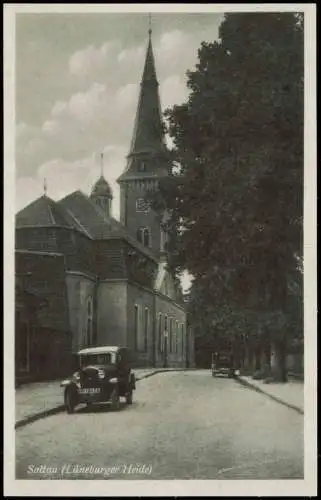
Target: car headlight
76	376
113	380
101	374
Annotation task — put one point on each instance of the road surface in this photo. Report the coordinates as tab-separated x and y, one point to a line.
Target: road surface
182	425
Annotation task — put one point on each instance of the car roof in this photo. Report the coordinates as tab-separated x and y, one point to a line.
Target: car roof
100	350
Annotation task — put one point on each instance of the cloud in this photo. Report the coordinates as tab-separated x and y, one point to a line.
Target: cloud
63	177
30	148
173	91
99	110
92	62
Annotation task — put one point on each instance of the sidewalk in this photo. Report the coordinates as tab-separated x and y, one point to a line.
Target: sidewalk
290	394
41	399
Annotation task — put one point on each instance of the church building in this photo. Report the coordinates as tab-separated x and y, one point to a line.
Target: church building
114	287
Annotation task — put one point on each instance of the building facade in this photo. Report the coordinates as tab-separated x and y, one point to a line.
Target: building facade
118	288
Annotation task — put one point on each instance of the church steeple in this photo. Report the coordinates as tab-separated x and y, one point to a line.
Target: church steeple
147	161
148	134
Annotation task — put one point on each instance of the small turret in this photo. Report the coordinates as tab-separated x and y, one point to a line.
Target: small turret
101	193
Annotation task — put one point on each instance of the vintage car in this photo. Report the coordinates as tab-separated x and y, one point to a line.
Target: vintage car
222	364
104	375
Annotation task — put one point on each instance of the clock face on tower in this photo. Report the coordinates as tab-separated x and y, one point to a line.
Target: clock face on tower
142	205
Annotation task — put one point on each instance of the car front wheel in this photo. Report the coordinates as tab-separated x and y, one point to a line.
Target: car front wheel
70	401
115	400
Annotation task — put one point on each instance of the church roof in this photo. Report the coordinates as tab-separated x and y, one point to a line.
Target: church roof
101	188
148	135
44	212
98	225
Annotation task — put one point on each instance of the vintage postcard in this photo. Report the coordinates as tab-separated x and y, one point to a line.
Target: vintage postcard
160	250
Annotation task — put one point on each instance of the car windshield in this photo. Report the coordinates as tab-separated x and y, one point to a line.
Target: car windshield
97	359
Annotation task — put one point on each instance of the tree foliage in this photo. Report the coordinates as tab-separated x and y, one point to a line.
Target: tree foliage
235	194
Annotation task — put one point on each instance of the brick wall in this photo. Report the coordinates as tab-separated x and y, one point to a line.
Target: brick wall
111	313
109	259
176	317
140	340
80	291
133	219
78	250
38	238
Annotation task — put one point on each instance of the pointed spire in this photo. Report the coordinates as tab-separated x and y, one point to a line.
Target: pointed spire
148	130
149	72
45	187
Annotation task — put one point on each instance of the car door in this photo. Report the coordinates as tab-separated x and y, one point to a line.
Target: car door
122	364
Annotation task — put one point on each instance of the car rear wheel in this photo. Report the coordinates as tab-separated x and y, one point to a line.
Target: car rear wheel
70	401
129	397
115	400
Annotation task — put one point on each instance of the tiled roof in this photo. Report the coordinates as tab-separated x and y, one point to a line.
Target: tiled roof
44	275
98	225
44	212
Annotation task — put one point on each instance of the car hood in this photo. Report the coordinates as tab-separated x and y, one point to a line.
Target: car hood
92	370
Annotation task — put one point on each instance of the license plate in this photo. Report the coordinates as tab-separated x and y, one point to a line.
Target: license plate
90	390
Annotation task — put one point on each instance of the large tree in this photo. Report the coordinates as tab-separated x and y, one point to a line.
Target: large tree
236	189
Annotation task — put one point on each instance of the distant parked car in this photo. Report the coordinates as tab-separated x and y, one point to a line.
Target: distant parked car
104	375
222	364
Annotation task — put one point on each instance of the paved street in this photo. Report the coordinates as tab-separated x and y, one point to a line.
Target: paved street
182	425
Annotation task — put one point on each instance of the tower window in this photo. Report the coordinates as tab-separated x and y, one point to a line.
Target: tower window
144	236
142	166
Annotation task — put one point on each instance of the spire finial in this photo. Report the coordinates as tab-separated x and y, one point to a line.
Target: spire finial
150	25
102	163
45	186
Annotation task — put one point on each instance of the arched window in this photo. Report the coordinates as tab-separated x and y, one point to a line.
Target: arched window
89	330
171	321
146	320
176	337
136	327
144	236
165	334
182	339
146	240
160	332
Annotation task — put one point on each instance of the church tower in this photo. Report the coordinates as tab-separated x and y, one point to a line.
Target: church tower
147	162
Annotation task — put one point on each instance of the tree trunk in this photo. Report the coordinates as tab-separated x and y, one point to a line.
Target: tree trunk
257	363
278	361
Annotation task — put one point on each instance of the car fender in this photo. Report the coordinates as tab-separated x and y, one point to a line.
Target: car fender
67	383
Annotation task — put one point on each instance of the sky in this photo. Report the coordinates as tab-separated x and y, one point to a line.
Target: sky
77	83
